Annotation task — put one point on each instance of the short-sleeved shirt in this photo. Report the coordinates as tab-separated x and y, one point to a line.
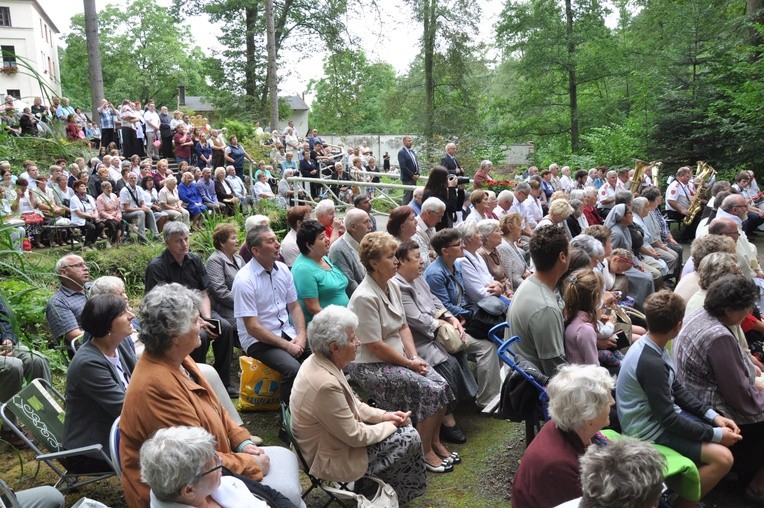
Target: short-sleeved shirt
536	317
258	293
606	192
380	317
313	281
63	311
680	193
163	269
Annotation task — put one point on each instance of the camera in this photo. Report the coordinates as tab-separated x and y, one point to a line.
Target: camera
461	180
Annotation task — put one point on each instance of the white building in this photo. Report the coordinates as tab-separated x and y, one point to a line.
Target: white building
27	32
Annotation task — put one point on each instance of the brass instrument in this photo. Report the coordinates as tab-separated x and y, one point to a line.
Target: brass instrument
640	169
703	173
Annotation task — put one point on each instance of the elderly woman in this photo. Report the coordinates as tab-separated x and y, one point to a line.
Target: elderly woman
654	247
714	368
289	192
401	223
189	195
168	390
151	198
712	267
387	363
512	257
110	213
490	238
428	319
579	407
618	221
85	213
222	266
182	468
224	192
444	278
170	202
318	281
576	221
97	379
478	281
647	252
559	211
342	438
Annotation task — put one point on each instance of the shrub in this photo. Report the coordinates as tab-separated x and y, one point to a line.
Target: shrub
128	262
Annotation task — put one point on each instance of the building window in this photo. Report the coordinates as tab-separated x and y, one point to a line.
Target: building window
9	56
14	93
5	16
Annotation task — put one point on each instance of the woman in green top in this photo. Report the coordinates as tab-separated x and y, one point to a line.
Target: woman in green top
319	283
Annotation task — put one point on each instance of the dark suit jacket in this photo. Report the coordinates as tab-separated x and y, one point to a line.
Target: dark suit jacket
408	166
451	164
306	166
221	191
94	395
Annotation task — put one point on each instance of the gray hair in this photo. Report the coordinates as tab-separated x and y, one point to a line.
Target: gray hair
219	171
589	244
467	229
576	194
324	207
505	196
639	204
624	196
62	262
610	174
714	266
256	220
174	458
590	191
433	204
167	311
107	285
523	187
106	184
486	164
255	236
628	473
576	204
485	227
170	179
578	393
330	325
174	228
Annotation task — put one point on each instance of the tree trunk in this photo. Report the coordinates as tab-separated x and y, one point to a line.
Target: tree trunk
572	85
273	90
250	24
95	73
429	84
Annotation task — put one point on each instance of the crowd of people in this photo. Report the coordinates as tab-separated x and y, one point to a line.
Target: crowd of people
337	302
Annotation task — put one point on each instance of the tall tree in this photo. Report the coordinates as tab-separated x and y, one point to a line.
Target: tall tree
272	78
148	53
95	72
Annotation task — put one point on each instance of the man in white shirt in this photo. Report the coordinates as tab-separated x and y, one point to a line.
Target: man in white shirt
269	319
151	117
606	193
565	181
239	189
503	203
135	209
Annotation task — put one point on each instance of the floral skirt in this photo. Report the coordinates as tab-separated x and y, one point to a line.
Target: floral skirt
399	461
397	388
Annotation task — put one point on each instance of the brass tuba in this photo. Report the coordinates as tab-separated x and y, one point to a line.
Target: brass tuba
703	173
640	168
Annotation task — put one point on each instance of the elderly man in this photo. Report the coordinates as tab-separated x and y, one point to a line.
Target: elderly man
566	183
535	314
344	252
503	203
606	193
239	189
206	187
363	202
177	264
416	200
554	168
409	166
449	161
327	216
522	191
432	213
65	306
269	320
134	208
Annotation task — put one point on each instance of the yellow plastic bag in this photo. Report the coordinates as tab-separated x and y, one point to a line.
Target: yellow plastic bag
259	389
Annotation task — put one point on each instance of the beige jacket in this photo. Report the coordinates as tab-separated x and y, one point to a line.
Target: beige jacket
331	425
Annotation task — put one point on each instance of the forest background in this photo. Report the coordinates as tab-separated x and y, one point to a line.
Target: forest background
588	82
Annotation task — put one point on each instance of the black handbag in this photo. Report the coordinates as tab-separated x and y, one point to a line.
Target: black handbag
490	312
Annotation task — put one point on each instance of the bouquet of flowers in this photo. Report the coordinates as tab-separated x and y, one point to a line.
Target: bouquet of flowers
499	185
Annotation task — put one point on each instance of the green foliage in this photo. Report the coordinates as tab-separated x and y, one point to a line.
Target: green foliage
146	52
128	262
28	302
241	130
44	151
